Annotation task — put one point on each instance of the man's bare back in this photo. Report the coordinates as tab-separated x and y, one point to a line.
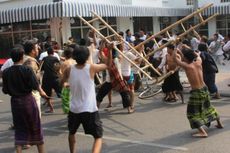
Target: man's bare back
193	71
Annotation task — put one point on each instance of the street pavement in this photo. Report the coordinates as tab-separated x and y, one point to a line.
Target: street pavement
155	127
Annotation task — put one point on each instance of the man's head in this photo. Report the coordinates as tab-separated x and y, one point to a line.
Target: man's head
142	32
81	54
189	55
50	51
128	32
215	36
202	47
121	34
68	52
17	54
31	48
170	48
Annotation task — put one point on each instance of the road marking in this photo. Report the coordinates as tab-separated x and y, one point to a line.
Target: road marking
124	140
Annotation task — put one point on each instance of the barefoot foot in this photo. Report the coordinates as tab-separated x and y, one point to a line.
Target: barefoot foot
200	135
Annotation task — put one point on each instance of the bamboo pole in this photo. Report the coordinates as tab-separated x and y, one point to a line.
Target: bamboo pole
175	24
182	35
98	32
132	48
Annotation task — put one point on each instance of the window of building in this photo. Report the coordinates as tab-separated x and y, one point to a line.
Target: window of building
145	23
17	33
223	24
189	2
223	1
79	30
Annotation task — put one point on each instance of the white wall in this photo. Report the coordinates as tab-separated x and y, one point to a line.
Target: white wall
151	3
215	2
21	3
124	23
175	3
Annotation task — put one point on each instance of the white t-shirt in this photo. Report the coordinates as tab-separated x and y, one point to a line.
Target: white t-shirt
45	54
82	89
8	63
125	64
143	37
194	43
216	48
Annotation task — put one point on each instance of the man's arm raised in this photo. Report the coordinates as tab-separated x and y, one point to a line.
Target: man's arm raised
178	60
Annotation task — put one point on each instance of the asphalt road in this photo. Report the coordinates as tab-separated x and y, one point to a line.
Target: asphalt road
155	127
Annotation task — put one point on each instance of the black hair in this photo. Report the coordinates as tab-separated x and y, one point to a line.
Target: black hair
17	54
127	31
189	54
81	54
121	33
216	35
68	52
82	42
137	35
164	41
29	46
50	51
202	47
171	46
186	42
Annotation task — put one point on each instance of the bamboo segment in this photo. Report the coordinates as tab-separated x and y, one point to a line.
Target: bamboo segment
168	34
175	24
132	48
182	25
94	19
182	35
102	28
98	32
110	36
201	18
156	43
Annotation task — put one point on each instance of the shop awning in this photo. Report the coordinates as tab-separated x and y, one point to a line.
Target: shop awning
221	9
71	9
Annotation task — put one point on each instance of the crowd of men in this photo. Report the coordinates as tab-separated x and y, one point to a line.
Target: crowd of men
34	71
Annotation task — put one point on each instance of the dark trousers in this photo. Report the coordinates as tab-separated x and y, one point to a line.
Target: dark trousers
106	88
209	79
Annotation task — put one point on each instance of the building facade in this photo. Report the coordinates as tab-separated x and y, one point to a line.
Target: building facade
26	19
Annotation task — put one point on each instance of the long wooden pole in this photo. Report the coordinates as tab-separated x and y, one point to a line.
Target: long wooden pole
175	24
182	35
132	48
92	27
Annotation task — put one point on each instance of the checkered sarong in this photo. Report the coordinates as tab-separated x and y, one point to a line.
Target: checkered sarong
118	83
199	110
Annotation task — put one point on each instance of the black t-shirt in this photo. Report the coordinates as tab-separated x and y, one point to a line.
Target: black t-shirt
48	67
19	80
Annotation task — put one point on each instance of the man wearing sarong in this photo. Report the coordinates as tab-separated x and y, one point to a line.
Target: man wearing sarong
199	110
19	81
172	83
65	93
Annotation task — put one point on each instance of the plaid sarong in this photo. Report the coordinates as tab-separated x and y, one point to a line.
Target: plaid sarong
26	121
118	83
199	110
65	98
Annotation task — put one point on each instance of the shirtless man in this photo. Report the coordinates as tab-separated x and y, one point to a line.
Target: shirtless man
172	83
199	110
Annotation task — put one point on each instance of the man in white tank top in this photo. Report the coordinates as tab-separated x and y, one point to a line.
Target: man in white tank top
83	106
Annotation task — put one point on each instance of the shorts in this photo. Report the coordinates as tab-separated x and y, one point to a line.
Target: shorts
130	83
48	85
90	121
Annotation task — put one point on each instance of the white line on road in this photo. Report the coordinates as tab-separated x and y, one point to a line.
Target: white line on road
125	140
